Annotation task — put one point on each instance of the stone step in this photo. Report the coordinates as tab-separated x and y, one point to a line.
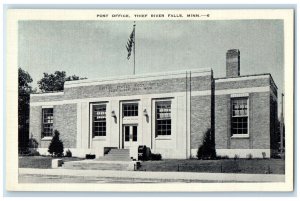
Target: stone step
114	159
117	155
122	155
119	151
96	165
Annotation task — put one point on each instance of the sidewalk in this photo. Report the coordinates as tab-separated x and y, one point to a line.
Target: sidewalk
185	176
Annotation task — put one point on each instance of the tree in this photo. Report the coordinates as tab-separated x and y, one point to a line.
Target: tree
55	82
207	149
56	147
23	108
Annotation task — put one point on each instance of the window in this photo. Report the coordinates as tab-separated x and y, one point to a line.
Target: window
134	133
99	120
127	133
163	118
47	122
239	119
130	109
130	131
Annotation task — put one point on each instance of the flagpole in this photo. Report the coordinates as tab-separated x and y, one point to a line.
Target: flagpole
130	43
134	50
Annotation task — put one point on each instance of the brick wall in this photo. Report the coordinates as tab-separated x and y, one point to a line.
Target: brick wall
198	83
222	119
65	121
260	112
259	123
274	125
200	119
233	63
35	123
274	119
136	88
260	120
44	97
201	83
236	84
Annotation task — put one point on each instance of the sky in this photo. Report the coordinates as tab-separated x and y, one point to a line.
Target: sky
97	49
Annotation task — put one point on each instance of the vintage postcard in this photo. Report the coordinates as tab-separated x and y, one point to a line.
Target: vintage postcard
149	100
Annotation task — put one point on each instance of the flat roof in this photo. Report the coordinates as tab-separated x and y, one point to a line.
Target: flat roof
138	77
252	75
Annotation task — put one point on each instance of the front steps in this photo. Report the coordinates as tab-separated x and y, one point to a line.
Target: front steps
115	159
116	155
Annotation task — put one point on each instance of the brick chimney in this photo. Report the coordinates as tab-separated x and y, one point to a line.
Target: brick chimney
233	63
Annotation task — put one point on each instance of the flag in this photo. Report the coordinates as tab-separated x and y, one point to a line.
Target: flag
130	42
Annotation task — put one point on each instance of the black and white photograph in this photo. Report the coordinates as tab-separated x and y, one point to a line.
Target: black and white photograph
151	97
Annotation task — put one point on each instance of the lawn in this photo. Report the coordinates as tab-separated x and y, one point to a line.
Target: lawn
253	166
42	162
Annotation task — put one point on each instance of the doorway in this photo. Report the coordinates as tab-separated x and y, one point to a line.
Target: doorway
130	135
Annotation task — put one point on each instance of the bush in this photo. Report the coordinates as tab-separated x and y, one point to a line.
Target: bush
222	157
32	143
90	156
56	147
68	153
249	156
33	152
207	149
30	149
155	157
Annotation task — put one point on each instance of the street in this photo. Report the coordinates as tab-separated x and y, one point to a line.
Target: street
34	178
60	175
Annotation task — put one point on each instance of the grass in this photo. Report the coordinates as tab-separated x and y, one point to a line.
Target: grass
41	162
253	166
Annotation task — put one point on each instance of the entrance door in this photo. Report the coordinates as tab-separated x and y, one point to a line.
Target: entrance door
129	136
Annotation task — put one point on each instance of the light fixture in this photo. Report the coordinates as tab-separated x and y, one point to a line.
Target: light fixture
145	112
113	114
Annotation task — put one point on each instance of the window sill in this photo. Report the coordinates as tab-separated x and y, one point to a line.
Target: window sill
240	136
99	138
46	138
163	138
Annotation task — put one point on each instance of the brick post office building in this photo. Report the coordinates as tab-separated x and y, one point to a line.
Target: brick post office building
168	112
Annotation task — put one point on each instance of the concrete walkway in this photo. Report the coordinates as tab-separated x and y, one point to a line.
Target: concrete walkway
182	176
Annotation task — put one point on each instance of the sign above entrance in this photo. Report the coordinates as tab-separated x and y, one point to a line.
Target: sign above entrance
128	87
